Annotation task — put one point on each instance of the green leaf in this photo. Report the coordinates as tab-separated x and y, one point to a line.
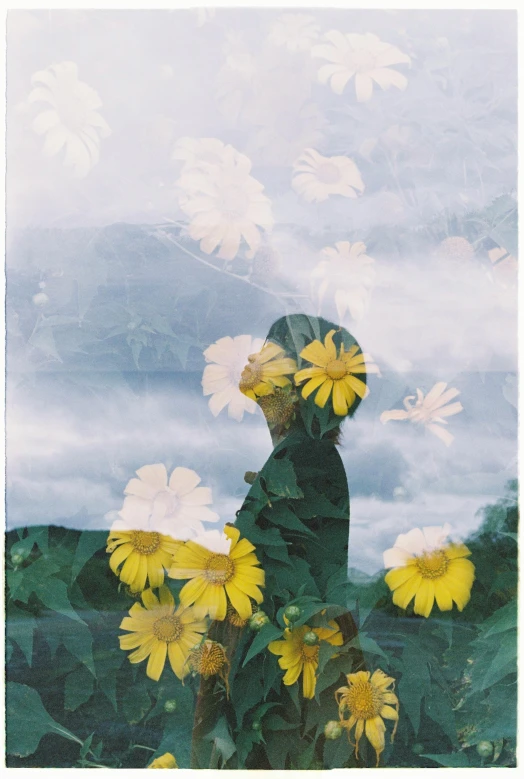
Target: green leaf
280	478
136	703
280	514
438	706
28	721
221	737
90	541
20	626
53	594
504	662
501	620
454	760
367	645
31	579
276	722
415	681
265	635
78	688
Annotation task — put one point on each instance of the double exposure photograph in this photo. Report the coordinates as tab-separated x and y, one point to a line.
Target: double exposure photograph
261	388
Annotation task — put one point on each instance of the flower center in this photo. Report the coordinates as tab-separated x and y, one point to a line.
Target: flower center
168	628
145	542
432	565
233	202
251	375
278	408
364	700
361	61
219	569
209	659
336	369
328	173
309	654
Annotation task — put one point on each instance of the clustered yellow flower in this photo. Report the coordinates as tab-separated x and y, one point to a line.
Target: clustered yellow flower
331	373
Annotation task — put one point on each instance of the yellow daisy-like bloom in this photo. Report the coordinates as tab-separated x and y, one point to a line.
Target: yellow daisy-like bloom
368	701
166	760
144	555
231	569
210	659
160	630
427	568
297	657
333	373
265	371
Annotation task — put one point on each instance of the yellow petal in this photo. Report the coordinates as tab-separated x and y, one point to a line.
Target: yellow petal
388	712
292	673
142	652
456	550
149	599
119	555
130	568
424	598
239	599
308	680
132	640
316	353
357	385
177	660
165	596
375	733
358	734
442	596
323	393
398	576
340	404
157	659
241	549
330	346
312	385
192	590
359	676
308	373
404	594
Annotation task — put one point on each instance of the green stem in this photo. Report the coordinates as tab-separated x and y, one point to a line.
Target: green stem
141	746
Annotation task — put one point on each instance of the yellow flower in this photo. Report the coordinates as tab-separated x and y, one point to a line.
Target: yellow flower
145	553
166	760
226	565
504	266
210	659
333	373
266	370
159	631
428	568
367	701
301	658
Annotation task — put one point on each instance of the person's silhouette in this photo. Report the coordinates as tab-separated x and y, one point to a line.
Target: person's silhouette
297	511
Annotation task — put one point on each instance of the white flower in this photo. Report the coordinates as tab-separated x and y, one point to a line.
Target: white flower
429	411
225	205
350	274
317	177
294	31
364	56
175	507
71	121
228	357
214	540
201	152
415	543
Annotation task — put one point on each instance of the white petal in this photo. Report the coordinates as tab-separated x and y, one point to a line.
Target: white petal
155	475
183	480
215	541
396	557
436	535
412	542
201	496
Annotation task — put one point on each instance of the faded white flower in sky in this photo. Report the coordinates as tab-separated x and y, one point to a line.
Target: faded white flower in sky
70	120
226	206
429	411
228	358
175	506
365	57
347	274
296	32
316	177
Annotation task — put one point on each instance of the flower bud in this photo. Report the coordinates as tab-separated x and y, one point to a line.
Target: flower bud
333	730
17	558
170	706
484	748
258	620
256	725
292	613
418	749
310	638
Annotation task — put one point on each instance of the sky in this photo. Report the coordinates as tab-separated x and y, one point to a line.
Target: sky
87	253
